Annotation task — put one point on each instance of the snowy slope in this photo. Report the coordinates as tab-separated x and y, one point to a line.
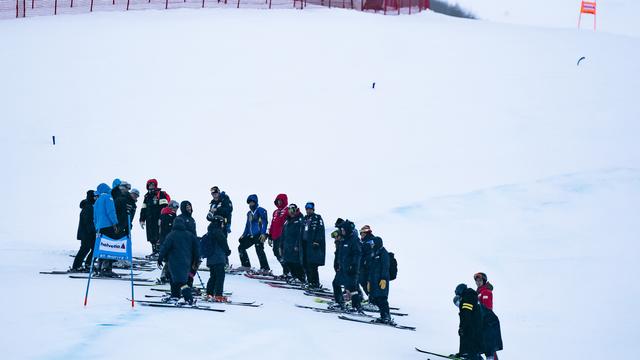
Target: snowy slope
240	100
614	16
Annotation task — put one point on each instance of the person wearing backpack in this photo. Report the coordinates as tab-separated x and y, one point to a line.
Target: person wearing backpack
491	336
216	249
378	284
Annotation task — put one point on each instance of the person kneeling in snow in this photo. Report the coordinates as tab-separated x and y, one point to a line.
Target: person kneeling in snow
181	250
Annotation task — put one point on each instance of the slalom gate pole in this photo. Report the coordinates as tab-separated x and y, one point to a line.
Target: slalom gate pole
131	260
93	259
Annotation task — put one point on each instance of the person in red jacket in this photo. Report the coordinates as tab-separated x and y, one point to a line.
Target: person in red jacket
275	230
485	290
491	335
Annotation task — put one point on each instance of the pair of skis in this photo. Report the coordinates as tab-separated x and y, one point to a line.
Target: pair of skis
361	318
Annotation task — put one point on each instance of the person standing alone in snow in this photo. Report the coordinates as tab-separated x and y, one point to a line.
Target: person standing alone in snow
255	233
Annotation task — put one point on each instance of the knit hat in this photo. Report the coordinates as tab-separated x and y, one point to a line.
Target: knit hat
214	189
310	205
135	192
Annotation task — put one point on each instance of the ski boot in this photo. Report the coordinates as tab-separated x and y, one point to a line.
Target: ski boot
169	300
385	320
220	299
337	307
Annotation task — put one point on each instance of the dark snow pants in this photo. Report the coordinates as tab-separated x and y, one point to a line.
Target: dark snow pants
277	252
215	285
247	242
85	253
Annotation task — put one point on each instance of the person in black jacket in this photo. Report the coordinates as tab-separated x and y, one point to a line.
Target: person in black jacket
86	233
132	205
185	213
366	244
154	200
470	328
190	223
167	216
181	251
220	205
313	240
292	247
347	264
216	249
378	278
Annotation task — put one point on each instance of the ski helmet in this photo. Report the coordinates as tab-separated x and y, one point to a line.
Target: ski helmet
481	275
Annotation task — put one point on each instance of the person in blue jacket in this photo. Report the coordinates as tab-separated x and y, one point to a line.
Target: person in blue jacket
255	233
106	221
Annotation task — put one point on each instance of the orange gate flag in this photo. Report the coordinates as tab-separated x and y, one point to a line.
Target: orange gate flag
588	7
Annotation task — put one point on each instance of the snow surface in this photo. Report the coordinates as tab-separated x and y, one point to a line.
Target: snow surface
483	147
613	16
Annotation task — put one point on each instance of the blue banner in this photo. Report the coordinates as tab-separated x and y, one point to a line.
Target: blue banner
113	249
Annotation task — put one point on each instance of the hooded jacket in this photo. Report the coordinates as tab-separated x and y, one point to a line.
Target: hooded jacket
378	268
348	254
86	228
181	250
292	239
257	221
104	210
279	217
189	221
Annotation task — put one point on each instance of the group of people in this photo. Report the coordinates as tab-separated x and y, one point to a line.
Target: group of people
479	328
362	264
107	211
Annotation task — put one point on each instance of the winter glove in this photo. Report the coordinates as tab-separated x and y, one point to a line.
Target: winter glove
351	270
115	228
270	242
263	238
383	284
460	332
160	264
142	224
368	286
228	252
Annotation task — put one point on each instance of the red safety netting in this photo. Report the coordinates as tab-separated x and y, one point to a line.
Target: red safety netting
23	8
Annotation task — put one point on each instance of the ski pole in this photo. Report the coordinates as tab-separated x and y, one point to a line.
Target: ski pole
199	278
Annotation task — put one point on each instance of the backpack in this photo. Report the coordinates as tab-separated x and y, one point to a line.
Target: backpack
393	266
